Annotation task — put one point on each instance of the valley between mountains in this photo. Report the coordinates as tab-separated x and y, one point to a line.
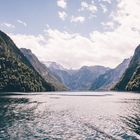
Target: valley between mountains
21	71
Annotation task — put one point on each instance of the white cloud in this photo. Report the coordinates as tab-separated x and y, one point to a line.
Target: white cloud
8	25
84	4
62	47
88	7
62	15
62	4
128	14
108	25
22	22
108	1
107	48
74	50
30	41
104	8
77	19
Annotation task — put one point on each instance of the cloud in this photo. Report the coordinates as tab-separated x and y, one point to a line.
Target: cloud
108	25
62	47
77	19
74	50
127	14
88	7
106	48
104	8
107	1
35	43
22	22
8	25
62	4
62	15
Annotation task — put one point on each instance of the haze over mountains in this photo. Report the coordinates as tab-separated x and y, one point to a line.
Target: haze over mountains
79	79
20	70
89	77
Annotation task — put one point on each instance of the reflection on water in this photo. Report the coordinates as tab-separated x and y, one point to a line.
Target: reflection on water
54	117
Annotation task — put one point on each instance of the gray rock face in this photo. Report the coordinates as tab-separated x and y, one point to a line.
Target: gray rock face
110	78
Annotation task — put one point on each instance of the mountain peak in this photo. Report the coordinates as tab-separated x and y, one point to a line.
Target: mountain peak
26	50
136	54
54	65
137	48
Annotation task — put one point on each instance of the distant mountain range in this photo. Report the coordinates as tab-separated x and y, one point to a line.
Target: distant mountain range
130	80
16	73
110	78
77	80
95	78
21	71
43	70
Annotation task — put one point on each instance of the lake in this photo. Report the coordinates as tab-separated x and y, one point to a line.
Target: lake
70	116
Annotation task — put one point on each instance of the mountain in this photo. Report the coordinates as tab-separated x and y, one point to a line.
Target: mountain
16	72
77	80
43	70
83	78
54	65
130	81
110	78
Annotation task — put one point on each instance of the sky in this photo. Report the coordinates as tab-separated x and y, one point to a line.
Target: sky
74	33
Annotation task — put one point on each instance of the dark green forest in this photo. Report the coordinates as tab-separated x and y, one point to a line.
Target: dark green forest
16	72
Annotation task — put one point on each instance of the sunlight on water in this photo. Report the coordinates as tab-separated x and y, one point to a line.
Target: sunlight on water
105	115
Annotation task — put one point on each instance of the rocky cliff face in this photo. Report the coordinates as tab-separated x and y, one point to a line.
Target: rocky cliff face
110	78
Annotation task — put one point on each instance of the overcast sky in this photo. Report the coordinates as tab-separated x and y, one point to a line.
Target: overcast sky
74	33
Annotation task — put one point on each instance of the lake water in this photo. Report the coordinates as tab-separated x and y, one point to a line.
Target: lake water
70	116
